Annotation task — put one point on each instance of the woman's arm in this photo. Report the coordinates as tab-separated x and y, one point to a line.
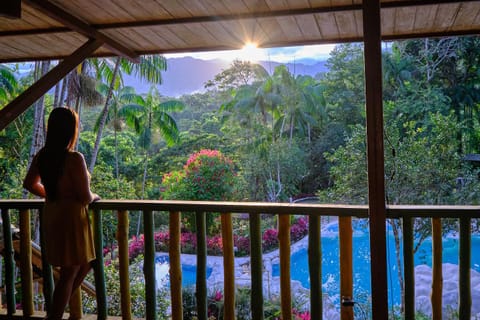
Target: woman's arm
81	179
32	180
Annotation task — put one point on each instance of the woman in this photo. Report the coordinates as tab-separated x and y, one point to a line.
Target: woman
59	174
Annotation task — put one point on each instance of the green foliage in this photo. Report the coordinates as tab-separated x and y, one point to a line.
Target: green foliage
137	292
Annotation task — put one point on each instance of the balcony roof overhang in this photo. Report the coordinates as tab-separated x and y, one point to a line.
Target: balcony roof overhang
53	29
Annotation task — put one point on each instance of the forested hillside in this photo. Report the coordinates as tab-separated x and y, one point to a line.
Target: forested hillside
287	134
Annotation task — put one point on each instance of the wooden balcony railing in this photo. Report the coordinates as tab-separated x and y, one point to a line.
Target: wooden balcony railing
283	210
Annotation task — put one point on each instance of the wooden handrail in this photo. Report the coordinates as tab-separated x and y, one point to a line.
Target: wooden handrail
283	210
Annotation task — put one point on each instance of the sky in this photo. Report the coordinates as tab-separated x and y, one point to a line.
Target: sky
284	55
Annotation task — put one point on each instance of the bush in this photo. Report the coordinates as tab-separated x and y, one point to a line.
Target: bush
188	241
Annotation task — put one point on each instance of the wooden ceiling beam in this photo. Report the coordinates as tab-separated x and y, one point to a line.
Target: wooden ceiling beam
21	103
78	25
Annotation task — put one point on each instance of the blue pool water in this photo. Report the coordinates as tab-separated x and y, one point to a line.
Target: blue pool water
361	262
189	272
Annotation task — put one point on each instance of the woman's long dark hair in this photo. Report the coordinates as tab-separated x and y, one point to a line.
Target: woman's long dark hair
62	131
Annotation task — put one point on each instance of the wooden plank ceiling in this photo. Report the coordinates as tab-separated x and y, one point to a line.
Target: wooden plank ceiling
53	29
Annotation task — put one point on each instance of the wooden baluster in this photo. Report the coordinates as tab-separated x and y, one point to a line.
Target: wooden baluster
346	266
465	293
122	238
201	287
256	267
284	245
437	278
9	262
409	269
98	269
175	266
315	267
149	265
26	269
228	266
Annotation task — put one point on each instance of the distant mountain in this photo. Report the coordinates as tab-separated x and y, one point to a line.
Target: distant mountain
188	75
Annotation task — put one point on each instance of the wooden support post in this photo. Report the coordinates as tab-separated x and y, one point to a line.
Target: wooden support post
201	284
346	266
437	277
175	266
464	280
315	267
409	268
98	269
256	267
228	267
149	266
122	238
284	246
375	157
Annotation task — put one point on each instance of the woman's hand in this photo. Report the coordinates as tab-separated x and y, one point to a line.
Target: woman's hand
95	197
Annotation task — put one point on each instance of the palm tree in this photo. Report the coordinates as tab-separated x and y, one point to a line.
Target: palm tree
119	98
149	116
149	68
8	83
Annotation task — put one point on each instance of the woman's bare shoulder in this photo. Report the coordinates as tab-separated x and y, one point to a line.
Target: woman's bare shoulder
76	157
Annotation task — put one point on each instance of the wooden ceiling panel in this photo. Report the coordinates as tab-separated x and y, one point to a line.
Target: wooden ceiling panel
388	21
92	12
359	23
271	27
257	5
425	17
290	28
232	28
346	23
446	16
402	22
308	26
466	16
155	38
328	25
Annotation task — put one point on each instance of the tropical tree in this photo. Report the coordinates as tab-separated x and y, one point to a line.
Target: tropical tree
149	68
148	116
8	83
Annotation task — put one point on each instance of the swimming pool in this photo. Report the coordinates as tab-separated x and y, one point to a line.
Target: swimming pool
361	262
189	272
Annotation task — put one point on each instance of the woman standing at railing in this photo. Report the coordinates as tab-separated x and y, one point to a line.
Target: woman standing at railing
59	174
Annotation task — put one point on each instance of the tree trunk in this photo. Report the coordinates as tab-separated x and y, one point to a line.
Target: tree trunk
38	121
103	118
56	95
61	99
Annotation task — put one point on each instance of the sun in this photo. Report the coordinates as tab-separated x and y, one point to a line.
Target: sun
251	52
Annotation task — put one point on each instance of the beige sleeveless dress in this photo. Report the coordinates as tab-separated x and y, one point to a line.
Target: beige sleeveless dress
66	227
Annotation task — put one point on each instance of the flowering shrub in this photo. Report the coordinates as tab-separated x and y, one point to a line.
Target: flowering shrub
188	241
270	239
207	175
305	315
299	229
